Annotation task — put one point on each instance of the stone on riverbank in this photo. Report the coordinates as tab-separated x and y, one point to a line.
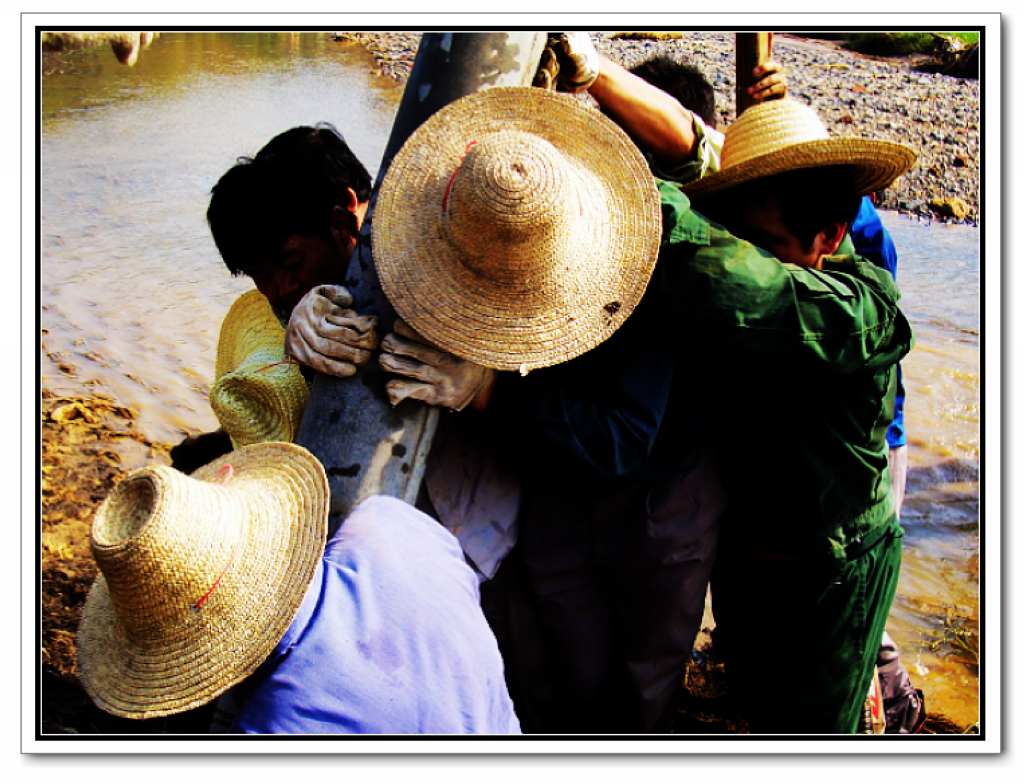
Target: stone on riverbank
937	114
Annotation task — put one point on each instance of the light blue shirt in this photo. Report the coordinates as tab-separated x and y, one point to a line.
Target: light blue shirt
390	638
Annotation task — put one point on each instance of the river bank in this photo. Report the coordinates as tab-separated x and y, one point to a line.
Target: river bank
937	115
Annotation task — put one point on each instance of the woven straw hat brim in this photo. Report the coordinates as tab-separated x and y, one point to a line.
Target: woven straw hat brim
261	400
249	325
568	311
875	164
278	500
257	396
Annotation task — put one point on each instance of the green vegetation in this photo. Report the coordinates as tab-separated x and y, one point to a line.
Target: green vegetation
908	43
645	36
957	638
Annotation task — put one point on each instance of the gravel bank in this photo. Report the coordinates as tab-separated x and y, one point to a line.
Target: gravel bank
855	95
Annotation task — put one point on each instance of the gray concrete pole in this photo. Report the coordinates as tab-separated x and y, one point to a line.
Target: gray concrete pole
366	446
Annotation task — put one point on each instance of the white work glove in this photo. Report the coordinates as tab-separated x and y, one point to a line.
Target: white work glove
569	63
429	374
324	334
578	61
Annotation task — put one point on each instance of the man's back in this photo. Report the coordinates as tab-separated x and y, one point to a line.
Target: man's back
389	639
804	375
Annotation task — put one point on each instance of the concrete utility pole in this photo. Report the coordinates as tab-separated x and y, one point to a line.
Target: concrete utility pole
367	446
752	49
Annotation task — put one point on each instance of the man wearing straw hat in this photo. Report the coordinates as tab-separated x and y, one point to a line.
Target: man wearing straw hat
221	581
804	354
682	142
812	526
517	230
288	218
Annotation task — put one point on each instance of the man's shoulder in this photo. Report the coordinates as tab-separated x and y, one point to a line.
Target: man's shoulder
865	270
381	516
680	223
389	526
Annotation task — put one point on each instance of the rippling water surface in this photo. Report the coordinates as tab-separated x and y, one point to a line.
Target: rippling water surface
133	291
132	287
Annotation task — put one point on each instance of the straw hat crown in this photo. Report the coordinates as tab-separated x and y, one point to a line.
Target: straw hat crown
513	189
146	533
778	136
258	395
516	228
200	576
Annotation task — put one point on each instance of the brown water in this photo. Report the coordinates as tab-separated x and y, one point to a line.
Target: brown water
133	291
132	287
936	616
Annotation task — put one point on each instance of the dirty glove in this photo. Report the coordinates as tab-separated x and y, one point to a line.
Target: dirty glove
324	334
570	63
771	82
429	374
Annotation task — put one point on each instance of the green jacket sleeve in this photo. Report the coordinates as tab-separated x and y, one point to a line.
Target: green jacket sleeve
845	315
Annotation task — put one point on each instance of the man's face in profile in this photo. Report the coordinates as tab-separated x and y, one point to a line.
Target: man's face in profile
759	221
302	263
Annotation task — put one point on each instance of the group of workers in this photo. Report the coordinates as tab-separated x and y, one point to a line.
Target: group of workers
671	359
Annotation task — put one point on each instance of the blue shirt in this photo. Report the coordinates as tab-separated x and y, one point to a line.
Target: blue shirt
596	417
390	638
872	241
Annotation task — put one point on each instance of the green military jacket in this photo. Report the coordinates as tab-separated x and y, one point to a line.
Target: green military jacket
796	367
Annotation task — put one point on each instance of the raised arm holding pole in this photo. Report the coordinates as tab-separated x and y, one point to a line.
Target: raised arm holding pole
752	49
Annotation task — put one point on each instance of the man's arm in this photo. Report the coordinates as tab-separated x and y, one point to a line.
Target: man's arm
657	122
653	118
846	316
870	239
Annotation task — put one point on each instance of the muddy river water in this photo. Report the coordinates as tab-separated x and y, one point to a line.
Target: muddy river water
132	290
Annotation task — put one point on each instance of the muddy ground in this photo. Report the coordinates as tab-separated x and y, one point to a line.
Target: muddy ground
87	445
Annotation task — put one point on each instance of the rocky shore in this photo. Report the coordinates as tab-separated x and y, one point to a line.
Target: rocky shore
938	115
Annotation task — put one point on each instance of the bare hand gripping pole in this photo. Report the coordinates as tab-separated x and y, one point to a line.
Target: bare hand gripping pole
366	446
752	49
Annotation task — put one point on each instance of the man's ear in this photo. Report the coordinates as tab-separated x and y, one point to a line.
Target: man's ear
830	239
348	215
350	200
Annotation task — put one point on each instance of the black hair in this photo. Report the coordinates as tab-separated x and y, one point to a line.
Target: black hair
810	200
683	82
290	187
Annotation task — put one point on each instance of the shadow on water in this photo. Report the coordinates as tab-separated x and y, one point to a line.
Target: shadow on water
942	499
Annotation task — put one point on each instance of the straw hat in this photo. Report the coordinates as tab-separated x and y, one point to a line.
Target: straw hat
516	228
258	395
199	576
785	135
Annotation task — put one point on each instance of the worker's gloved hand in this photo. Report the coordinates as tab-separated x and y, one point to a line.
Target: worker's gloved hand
429	374
578	61
547	69
324	334
771	82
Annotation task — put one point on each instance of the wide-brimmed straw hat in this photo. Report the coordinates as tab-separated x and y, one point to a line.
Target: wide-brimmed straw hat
200	576
258	395
516	228
778	136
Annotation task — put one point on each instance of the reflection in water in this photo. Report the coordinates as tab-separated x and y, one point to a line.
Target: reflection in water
133	289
